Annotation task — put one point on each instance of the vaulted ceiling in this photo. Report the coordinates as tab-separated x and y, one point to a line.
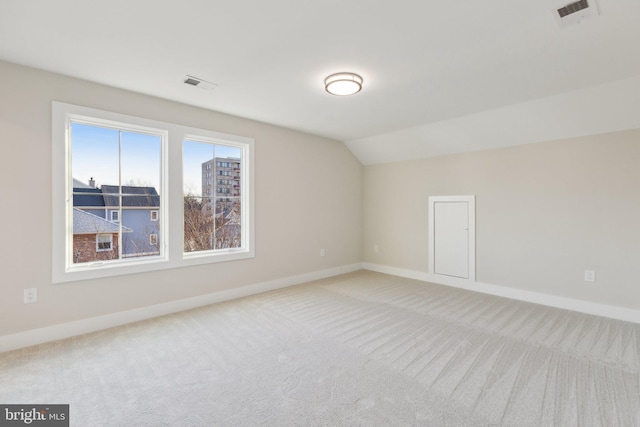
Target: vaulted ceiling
439	77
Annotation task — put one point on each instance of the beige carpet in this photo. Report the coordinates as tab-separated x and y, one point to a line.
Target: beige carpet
360	349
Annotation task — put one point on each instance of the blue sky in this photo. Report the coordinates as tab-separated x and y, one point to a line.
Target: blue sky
95	153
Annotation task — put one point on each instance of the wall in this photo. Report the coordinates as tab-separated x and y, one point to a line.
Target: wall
308	196
545	212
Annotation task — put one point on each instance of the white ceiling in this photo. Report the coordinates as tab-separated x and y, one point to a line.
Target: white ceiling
440	77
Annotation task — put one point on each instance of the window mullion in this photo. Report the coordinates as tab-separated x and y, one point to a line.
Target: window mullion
120	226
214	205
214	196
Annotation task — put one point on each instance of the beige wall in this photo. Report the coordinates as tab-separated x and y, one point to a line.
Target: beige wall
545	212
308	196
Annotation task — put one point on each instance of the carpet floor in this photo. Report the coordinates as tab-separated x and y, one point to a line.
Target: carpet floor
361	349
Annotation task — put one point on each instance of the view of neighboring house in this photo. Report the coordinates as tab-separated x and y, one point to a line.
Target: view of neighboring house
79	184
136	208
139	210
228	230
94	238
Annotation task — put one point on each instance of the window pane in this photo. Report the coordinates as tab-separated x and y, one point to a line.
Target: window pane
117	199
228	227
95	153
141	160
197	158
137	203
212	198
140	186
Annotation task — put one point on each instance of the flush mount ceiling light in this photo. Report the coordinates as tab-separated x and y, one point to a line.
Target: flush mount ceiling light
343	84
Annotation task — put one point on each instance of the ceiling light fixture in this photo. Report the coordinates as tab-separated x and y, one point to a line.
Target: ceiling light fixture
343	84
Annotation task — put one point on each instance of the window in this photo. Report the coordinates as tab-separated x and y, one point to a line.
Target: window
104	242
214	224
126	163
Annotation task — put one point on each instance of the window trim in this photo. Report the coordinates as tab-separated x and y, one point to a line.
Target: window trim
117	212
171	215
156	212
245	145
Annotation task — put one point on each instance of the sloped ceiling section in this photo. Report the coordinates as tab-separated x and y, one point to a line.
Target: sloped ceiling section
599	109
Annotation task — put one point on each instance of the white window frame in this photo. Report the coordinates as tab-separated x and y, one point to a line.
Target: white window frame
153	239
117	214
156	215
98	249
170	212
247	220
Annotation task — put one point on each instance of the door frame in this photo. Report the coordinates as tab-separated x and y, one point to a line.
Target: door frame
471	204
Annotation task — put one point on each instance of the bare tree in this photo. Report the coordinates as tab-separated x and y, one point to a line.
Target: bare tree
198	224
210	224
138	183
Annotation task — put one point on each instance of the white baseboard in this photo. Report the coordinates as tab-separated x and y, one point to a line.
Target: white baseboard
613	312
70	329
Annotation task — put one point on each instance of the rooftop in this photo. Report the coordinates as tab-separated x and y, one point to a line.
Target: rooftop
88	223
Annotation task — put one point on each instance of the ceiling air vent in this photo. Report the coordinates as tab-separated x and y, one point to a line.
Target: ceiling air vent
199	83
576	12
573	8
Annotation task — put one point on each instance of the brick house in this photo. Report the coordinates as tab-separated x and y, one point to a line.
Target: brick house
94	238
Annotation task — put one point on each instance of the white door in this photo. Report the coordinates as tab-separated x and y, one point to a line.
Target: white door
452	239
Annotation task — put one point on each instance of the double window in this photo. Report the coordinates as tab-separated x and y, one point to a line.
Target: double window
111	175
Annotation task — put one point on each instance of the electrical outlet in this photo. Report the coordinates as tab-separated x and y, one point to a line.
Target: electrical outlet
322	252
589	276
30	295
